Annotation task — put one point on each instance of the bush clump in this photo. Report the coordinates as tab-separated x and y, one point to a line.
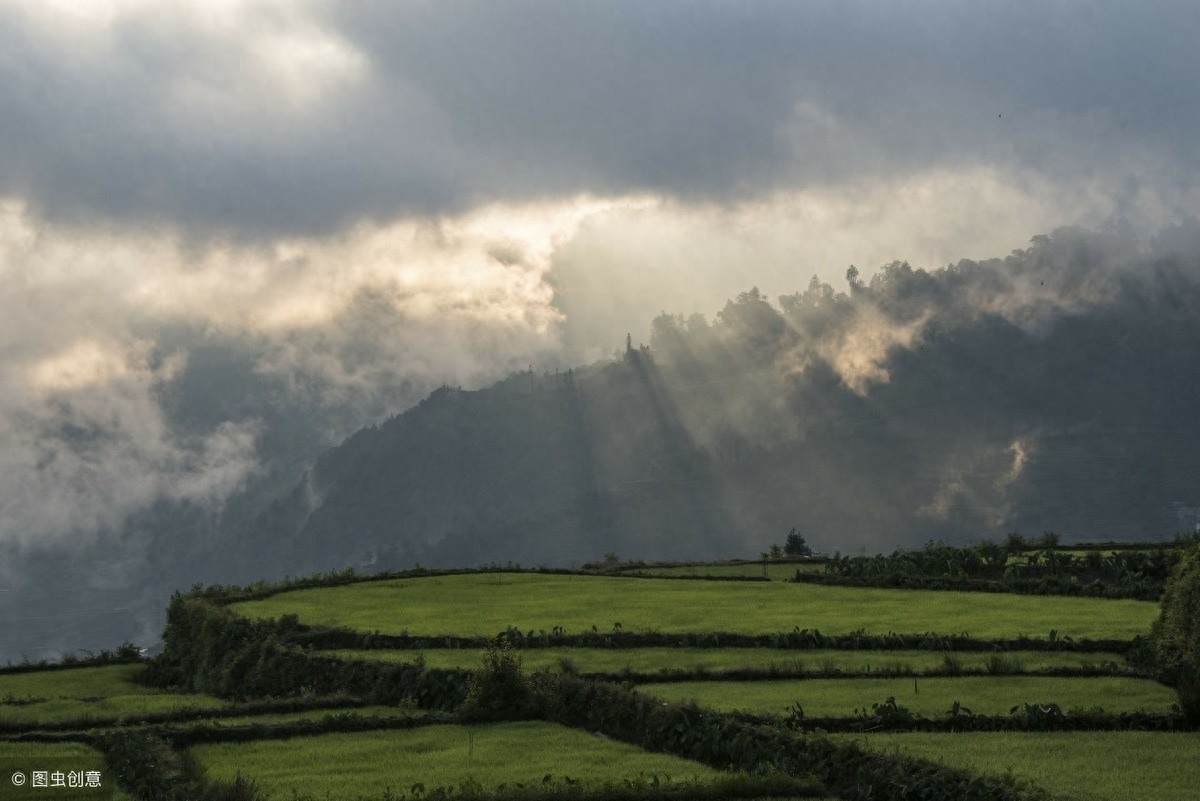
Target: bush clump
1176	633
498	688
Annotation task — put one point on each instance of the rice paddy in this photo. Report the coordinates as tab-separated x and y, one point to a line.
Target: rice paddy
392	758
347	766
659	660
24	758
485	604
273	718
930	697
773	571
1079	766
95	693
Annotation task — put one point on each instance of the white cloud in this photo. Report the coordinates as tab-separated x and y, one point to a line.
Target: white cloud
257	118
83	364
627	264
339	321
859	353
87	444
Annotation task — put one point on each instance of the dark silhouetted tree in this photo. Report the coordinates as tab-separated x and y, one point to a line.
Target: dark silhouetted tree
795	545
1176	633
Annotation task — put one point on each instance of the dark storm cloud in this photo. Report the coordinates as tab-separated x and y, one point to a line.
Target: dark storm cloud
374	109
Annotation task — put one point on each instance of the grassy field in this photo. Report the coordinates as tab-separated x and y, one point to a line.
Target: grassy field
775	571
27	757
79	682
485	604
88	692
1038	557
932	697
346	766
654	660
1081	766
311	714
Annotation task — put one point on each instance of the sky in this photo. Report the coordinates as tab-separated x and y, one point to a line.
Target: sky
365	200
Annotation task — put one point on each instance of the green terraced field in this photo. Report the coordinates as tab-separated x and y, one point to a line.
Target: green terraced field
653	660
311	714
932	697
345	766
485	604
88	692
1080	766
27	757
774	571
78	682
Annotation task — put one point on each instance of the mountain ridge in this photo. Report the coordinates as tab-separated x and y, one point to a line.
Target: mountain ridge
957	404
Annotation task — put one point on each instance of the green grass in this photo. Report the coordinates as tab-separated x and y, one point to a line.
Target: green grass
91	692
1081	766
75	682
932	697
1037	557
27	757
485	604
775	571
311	714
361	764
653	660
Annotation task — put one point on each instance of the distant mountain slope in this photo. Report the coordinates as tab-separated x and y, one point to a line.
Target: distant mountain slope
540	469
1055	389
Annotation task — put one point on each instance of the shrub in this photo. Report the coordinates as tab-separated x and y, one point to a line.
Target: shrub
1001	665
1176	633
147	766
240	789
1015	543
795	545
889	713
498	688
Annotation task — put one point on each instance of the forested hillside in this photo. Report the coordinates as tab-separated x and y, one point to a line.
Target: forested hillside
1054	389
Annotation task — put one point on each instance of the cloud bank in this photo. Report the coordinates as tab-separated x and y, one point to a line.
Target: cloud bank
261	117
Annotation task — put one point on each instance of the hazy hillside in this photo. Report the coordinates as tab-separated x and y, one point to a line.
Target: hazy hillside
1055	389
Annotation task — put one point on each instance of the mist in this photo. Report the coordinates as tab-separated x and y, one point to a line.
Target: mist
1052	389
154	393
